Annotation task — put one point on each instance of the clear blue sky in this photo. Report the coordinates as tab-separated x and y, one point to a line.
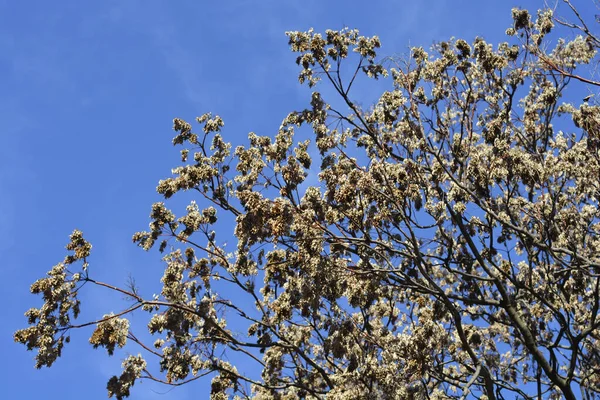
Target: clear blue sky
88	91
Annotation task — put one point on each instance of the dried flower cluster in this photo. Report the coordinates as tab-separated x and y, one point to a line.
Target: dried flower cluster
451	248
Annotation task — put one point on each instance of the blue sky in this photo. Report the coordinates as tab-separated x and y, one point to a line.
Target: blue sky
88	94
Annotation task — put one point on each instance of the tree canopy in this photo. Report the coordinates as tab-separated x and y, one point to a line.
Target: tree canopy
441	243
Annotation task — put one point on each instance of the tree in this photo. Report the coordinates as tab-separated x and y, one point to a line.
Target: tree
450	248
